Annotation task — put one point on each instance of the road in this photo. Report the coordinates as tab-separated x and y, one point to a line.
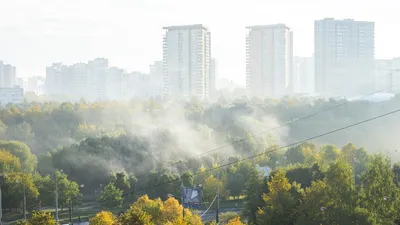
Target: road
210	215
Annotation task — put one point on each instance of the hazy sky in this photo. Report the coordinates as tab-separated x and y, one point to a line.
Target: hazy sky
36	33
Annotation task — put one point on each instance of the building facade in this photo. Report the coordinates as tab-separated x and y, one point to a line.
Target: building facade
14	95
269	58
213	78
186	59
8	76
303	75
344	57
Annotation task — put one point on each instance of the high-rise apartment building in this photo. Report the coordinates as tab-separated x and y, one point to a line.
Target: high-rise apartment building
344	57
269	58
303	75
186	59
97	70
213	77
7	75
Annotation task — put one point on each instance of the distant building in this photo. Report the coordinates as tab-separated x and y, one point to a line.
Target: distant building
97	70
21	82
57	80
8	76
269	58
14	95
142	85
387	75
35	85
303	75
155	81
344	57
213	78
92	81
114	83
186	58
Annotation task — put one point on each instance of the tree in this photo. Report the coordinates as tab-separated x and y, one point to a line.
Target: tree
135	216
8	162
210	188
304	174
111	197
103	218
188	179
13	188
256	186
120	181
330	153
380	194
39	218
237	177
235	221
22	152
67	190
146	211
295	155
280	202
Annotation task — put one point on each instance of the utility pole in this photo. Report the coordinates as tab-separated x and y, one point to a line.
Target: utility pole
1	206
23	183
70	212
183	198
217	211
56	196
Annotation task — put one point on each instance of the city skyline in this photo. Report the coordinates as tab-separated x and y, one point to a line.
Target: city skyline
36	36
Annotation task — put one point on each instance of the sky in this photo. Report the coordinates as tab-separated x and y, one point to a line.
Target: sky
36	33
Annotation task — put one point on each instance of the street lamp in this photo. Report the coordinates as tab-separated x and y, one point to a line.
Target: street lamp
70	206
24	200
56	194
2	176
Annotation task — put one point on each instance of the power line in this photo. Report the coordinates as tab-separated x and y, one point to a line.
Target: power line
266	152
263	132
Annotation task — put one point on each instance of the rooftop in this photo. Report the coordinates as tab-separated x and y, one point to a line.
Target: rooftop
185	27
279	25
344	20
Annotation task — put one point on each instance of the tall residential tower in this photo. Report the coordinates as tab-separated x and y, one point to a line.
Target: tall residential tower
344	57
269	58
186	59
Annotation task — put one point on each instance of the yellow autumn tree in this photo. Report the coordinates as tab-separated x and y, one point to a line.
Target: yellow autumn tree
39	218
103	218
279	201
8	162
147	211
235	221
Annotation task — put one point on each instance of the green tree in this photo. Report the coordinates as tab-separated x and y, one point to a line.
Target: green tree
330	153
380	194
304	174
210	188
256	186
281	201
295	155
111	197
20	150
120	181
237	176
188	179
13	189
